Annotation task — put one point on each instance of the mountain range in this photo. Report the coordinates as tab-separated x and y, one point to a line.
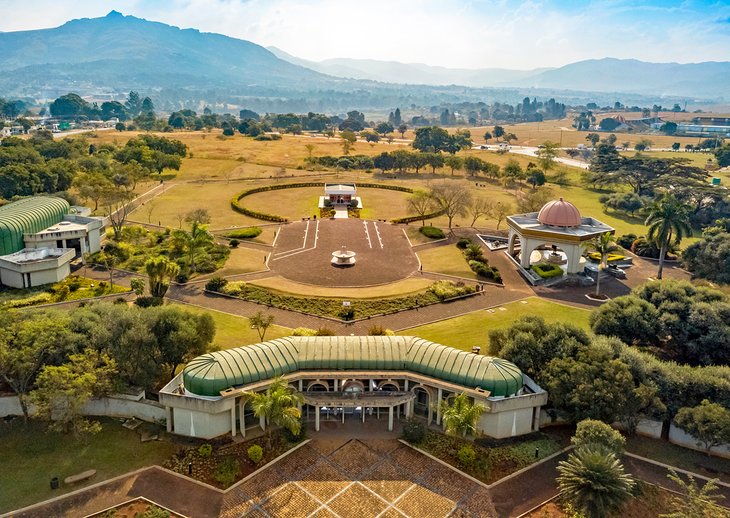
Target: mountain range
185	67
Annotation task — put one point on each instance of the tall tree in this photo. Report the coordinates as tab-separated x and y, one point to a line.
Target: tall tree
668	222
261	323
547	154
694	501
421	203
452	198
602	245
709	423
277	406
460	416
62	391
198	238
160	271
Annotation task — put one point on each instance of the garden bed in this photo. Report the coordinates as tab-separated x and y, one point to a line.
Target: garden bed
138	507
494	460
331	307
73	287
224	465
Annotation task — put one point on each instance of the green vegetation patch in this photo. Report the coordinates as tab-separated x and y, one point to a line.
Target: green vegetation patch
343	308
432	232
73	287
245	233
547	270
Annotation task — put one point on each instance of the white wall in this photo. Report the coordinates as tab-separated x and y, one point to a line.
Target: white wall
681	438
200	424
506	424
145	410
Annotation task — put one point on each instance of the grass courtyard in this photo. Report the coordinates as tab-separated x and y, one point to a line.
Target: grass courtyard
33	456
473	329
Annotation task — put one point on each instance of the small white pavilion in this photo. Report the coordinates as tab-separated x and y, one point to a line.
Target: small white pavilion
557	225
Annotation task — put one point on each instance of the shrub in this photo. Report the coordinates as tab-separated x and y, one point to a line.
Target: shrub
466	455
448	289
432	232
463	243
347	313
591	432
74	283
255	453
216	284
547	270
245	233
148	302
205	450
40	298
234	243
414	431
626	241
474	253
379	331
227	471
304	331
596	257
62	293
324	331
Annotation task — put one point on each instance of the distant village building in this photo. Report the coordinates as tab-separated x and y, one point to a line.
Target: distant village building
40	236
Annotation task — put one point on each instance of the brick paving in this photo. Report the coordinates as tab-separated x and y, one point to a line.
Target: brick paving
326	477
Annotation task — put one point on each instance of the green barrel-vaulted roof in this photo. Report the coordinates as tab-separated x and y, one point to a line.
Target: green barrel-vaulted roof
28	216
209	374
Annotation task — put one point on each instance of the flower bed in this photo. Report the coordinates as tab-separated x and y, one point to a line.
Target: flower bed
139	507
73	287
224	465
333	308
611	258
477	262
494	459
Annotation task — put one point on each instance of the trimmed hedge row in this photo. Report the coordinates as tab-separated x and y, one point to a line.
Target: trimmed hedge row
547	271
411	219
432	232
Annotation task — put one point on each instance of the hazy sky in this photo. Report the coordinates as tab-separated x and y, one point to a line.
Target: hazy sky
456	33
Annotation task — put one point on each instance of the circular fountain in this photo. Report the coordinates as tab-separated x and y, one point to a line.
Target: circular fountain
343	257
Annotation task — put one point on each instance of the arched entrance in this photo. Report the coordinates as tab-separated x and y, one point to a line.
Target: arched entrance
422	404
318	386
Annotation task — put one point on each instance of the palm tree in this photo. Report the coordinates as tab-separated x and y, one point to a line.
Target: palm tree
460	417
594	481
197	237
160	271
604	245
668	223
278	405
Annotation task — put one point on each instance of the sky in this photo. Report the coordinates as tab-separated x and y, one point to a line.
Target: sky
516	34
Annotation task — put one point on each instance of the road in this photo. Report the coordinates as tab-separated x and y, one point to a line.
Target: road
532	151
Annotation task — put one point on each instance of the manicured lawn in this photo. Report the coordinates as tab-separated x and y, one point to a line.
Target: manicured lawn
241	260
446	259
31	457
684	458
404	287
473	329
234	331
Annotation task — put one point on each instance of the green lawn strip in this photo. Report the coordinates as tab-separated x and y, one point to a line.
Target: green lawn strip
683	458
494	459
446	259
471	329
332	307
32	457
234	331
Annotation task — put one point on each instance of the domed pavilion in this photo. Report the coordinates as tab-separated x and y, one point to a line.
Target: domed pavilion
558	225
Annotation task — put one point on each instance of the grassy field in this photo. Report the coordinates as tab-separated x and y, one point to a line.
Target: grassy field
32	457
242	260
473	329
446	259
234	331
395	289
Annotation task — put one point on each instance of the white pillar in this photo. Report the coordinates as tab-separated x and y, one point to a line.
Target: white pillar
233	420
301	385
262	423
336	380
390	419
169	419
316	419
406	389
343	415
438	406
372	385
527	245
362	411
241	417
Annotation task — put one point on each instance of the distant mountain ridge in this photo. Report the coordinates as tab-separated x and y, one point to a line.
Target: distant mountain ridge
410	73
109	56
693	80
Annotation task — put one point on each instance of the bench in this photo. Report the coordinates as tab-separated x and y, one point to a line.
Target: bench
81	476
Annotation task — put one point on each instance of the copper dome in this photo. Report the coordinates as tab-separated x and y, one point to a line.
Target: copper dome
559	213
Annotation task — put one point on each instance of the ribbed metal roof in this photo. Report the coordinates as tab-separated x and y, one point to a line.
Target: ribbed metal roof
28	216
209	374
